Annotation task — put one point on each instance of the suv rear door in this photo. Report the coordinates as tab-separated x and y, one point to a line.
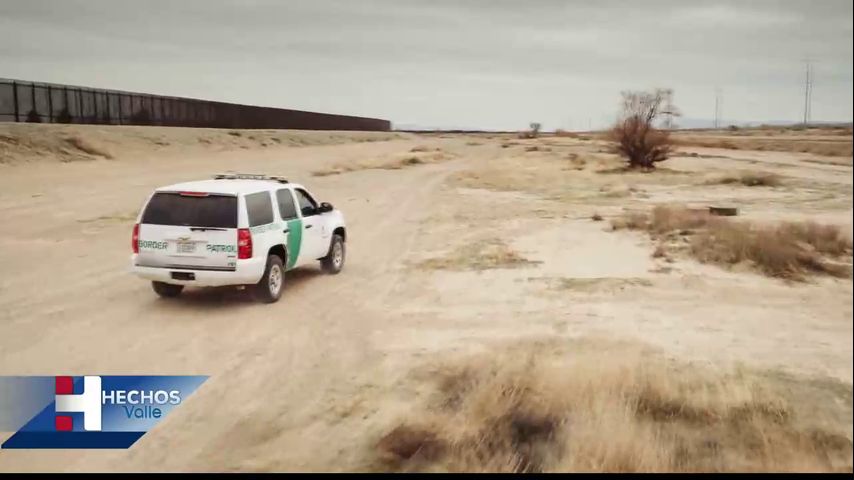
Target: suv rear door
190	230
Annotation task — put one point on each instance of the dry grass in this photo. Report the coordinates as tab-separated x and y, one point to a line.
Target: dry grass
87	147
395	163
577	162
788	250
831	148
482	255
749	179
603	411
594	284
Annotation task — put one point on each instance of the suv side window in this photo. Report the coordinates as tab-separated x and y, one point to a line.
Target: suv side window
287	209
307	205
260	208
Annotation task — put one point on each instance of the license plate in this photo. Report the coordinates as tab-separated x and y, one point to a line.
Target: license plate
186	247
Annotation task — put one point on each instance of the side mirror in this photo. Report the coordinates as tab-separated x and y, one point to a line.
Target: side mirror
325	207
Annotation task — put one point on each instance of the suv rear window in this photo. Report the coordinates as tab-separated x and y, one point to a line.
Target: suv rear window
218	211
260	208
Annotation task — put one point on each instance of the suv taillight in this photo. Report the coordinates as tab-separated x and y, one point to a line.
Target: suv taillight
244	243
134	241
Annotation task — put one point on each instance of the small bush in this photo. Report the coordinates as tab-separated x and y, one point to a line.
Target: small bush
86	147
632	221
788	250
534	132
751	179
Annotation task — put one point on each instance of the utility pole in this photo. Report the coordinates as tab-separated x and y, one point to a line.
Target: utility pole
669	109
717	107
808	92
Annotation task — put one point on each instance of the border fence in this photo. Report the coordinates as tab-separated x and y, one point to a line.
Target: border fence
22	101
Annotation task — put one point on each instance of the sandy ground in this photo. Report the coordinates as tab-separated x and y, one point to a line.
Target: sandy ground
309	382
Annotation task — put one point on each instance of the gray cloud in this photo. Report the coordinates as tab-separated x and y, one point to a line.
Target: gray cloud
492	64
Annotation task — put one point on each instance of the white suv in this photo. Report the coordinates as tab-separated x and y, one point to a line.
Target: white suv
236	229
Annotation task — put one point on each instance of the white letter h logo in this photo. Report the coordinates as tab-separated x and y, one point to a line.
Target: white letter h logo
89	402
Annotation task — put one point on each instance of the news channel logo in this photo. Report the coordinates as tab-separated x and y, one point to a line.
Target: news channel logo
93	411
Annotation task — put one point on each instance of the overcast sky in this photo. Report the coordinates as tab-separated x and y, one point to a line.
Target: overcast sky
477	63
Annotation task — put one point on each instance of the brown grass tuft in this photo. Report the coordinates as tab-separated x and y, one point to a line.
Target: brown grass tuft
788	250
482	255
394	163
750	179
87	147
603	411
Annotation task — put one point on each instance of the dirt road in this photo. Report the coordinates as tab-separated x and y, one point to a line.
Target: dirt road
301	384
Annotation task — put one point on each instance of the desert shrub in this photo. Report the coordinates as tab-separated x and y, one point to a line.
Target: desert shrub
751	179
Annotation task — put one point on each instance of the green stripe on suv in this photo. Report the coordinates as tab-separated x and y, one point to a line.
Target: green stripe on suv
294	241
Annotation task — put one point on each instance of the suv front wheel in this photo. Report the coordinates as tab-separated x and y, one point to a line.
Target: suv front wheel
333	262
269	288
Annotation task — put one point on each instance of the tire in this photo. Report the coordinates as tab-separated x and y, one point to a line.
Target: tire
167	290
269	288
333	262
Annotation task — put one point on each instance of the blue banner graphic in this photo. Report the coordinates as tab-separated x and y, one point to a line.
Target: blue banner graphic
90	411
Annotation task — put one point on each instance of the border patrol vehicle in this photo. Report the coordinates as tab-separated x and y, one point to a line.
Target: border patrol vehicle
236	229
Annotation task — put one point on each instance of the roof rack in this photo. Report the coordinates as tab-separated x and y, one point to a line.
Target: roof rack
249	176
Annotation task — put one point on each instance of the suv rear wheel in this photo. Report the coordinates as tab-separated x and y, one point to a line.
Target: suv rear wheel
167	290
269	288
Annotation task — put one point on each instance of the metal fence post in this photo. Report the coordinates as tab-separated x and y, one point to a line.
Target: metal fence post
80	106
49	105
33	97
15	99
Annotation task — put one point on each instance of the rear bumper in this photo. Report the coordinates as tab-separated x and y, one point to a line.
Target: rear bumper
248	272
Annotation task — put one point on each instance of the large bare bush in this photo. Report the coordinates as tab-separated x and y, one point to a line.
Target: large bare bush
635	134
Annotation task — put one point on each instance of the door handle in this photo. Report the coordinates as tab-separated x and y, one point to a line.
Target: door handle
309	226
286	230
